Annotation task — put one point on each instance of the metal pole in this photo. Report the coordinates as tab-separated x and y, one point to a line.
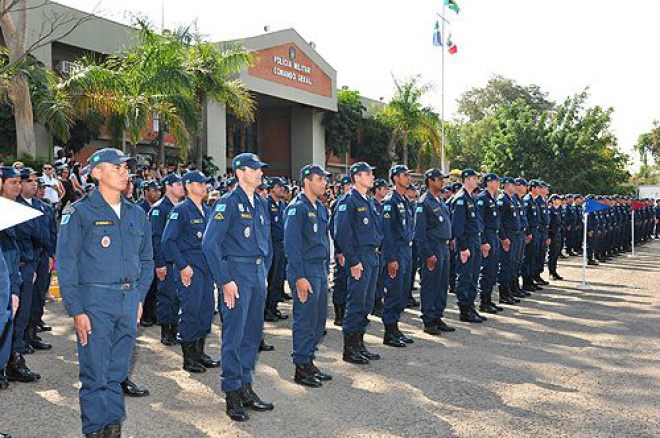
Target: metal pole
442	115
584	285
632	226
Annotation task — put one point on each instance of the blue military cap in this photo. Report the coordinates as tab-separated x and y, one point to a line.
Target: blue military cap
10	172
275	181
544	184
398	170
346	179
490	177
361	167
247	160
508	180
26	172
434	173
89	187
231	182
534	183
554	197
109	155
171	179
521	182
195	176
380	182
456	187
41	182
312	169
412	186
263	186
467	173
152	184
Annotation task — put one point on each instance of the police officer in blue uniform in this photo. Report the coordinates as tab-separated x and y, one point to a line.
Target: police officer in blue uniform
533	248
307	247
276	273
453	251
340	274
150	194
42	282
555	230
167	301
489	211
381	189
466	229
28	239
544	223
237	247
359	236
182	243
105	267
511	236
5	318
432	234
398	227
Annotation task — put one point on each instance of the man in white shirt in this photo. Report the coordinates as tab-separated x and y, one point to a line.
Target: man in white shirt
54	189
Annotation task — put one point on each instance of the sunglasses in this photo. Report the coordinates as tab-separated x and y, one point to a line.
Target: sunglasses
48	168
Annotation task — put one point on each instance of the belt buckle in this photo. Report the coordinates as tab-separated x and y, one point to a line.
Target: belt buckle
125	286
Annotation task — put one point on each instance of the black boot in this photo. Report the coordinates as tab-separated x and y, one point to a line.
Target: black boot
363	349
6	435
351	350
528	285
235	408
340	310
167	337
505	297
466	315
190	360
97	434
391	337
281	316
113	430
493	305
444	327
476	314
539	280
204	358
432	328
514	291
265	347
270	316
485	305
378	308
4	383
132	390
43	327
402	337
17	371
556	276
251	400
323	377
34	340
305	376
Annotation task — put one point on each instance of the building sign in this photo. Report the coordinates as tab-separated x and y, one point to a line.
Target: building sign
290	66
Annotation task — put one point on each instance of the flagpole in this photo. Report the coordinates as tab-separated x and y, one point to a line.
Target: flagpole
584	285
442	116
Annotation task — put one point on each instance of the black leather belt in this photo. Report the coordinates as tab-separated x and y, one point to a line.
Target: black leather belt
246	259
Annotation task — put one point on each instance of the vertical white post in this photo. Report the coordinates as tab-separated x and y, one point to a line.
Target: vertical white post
632	226
585	220
442	109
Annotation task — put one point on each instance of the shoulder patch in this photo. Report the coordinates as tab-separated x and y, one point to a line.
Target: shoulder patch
218	217
460	202
155	212
480	202
387	207
342	207
221	207
419	209
65	219
174	215
292	212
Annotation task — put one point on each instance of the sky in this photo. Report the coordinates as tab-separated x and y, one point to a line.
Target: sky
564	46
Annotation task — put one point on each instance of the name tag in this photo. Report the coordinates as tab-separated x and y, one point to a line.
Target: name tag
311	214
246	216
104	223
362	209
196	221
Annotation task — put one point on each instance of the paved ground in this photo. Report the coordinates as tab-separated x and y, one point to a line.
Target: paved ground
567	363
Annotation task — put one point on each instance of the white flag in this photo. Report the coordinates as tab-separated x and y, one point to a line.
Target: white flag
14	213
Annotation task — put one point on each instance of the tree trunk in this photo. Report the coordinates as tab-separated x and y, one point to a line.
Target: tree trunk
391	148
200	138
404	154
13	26
420	154
161	143
434	159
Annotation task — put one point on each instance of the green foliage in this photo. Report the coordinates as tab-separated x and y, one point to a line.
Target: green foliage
649	144
7	131
341	127
83	131
208	166
377	134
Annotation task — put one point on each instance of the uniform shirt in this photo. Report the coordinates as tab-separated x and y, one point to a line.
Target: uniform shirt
237	229
334	208
144	205
509	215
49	220
555	224
532	212
95	247
522	213
5	292
465	219
544	215
182	237
158	218
397	224
31	236
357	226
306	238
276	213
432	225
489	211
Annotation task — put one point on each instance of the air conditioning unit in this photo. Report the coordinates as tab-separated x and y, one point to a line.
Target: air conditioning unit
68	67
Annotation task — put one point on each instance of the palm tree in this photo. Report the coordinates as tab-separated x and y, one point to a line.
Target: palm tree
50	104
406	111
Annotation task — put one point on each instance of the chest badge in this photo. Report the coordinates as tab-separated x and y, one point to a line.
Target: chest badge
495	213
472	214
241	208
276	219
199	234
441	219
105	242
365	221
246	232
316	228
